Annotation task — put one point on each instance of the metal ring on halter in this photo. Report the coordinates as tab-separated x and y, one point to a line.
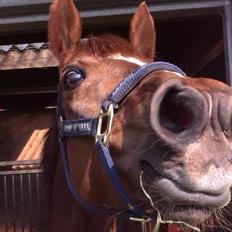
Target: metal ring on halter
109	115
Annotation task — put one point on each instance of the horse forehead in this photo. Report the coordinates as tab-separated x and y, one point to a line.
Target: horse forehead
128	58
83	59
105	45
87	59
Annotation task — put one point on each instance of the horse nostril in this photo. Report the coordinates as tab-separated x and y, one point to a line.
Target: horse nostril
178	112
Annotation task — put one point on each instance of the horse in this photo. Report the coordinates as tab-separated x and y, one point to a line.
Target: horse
141	143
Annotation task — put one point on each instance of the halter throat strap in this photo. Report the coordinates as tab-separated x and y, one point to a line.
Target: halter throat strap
92	127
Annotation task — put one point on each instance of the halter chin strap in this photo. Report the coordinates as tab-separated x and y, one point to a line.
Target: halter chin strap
93	127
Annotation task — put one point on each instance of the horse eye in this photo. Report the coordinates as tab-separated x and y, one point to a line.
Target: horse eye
72	78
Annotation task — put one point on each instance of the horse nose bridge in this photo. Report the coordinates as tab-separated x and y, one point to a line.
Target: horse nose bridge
211	180
205	167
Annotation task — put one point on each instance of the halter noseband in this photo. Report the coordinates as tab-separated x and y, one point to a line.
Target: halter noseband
93	126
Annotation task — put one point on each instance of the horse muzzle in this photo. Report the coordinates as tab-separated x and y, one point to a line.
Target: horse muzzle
188	168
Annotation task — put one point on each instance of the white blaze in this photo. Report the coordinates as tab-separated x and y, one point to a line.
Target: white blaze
128	59
134	60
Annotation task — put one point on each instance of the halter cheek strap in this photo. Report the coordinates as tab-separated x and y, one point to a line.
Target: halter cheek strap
93	127
90	127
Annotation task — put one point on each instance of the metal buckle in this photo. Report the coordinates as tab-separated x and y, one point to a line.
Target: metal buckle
104	136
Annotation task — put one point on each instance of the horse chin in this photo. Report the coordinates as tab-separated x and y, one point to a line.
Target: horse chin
176	203
188	214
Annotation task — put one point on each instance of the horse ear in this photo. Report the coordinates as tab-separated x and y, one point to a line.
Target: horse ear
142	32
64	27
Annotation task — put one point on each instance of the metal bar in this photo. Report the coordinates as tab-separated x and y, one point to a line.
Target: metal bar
19	21
6	204
19	162
38	190
22	204
20	195
21	172
15	5
30	202
7	3
227	26
13	203
155	7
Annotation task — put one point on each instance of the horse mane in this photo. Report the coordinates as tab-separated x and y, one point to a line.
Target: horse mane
105	45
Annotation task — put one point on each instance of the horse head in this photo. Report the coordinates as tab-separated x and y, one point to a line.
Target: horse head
171	133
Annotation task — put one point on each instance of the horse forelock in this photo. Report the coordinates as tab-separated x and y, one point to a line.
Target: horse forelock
105	46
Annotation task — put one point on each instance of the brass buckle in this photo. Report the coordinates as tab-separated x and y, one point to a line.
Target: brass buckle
104	136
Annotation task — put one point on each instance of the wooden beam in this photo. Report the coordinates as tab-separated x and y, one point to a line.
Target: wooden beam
25	15
27	59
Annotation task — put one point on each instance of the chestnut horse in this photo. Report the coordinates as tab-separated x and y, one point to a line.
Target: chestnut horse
168	152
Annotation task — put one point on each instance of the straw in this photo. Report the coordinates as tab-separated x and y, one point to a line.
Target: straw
159	219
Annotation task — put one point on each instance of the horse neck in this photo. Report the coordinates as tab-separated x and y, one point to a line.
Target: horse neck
67	215
88	174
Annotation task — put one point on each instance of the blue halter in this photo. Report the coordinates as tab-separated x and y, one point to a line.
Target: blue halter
92	126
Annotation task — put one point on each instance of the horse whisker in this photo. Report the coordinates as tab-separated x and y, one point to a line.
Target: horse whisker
159	219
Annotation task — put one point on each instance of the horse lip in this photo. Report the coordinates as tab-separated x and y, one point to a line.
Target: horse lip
180	195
